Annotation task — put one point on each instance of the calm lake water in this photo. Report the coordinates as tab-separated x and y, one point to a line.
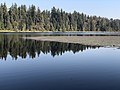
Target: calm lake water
36	65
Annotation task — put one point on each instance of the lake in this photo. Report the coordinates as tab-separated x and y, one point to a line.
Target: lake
38	65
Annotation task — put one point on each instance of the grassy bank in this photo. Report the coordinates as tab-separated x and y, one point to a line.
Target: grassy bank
112	41
22	31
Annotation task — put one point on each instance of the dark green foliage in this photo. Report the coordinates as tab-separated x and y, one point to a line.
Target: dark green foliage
22	18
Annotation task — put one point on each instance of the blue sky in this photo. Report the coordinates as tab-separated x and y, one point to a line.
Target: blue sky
104	8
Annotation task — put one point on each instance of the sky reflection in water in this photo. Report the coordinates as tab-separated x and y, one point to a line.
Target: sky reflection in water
59	66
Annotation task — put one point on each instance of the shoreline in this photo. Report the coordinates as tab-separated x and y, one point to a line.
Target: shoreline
9	31
104	41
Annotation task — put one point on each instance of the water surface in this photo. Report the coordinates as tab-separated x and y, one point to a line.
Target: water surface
36	65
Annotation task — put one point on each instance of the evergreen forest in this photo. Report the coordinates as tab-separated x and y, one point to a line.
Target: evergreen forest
22	18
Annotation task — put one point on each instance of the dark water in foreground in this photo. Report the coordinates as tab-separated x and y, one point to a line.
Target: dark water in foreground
35	65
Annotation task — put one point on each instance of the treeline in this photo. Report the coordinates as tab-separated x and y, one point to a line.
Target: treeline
20	18
15	47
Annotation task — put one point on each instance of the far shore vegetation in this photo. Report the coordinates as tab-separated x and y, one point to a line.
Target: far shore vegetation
33	19
111	41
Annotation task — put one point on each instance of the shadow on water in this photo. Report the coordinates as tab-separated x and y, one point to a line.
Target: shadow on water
16	47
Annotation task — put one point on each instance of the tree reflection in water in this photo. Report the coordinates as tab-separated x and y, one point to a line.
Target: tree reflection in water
15	46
